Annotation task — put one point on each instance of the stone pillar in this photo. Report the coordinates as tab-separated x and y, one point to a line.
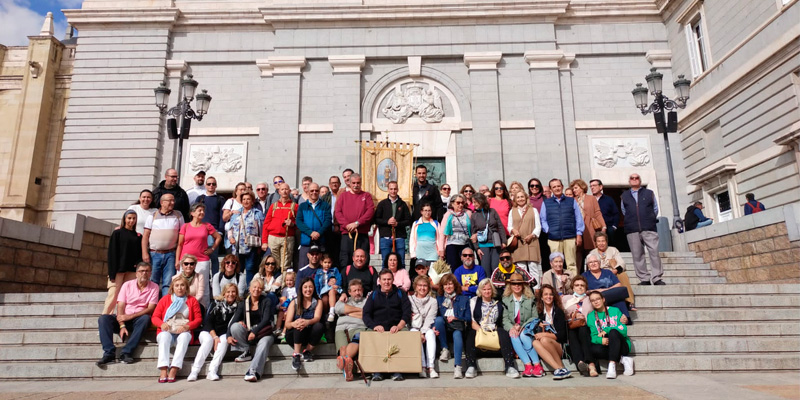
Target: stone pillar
347	109
31	126
556	150
486	161
279	154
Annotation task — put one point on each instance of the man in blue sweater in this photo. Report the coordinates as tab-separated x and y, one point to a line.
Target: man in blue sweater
562	220
467	275
313	220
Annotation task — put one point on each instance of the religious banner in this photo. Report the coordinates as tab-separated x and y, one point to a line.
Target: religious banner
383	162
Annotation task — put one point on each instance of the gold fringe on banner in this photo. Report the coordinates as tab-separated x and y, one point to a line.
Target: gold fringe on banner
382	162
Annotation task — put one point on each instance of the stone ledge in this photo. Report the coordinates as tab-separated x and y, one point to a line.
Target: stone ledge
768	217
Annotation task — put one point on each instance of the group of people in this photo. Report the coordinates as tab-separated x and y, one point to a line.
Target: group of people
293	264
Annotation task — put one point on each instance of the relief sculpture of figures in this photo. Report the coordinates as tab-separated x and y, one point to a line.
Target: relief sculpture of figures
216	159
607	155
413	99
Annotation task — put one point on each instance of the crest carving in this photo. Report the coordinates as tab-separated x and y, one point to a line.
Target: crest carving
412	99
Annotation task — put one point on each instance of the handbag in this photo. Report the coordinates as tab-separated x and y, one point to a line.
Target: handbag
177	320
575	323
597	226
488	341
266	330
249	240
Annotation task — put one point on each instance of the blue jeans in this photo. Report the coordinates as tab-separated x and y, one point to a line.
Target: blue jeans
249	263
107	325
705	223
458	339
400	248
523	346
214	256
163	269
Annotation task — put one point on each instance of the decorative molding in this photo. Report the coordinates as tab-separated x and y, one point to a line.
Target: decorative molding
415	66
226	161
348	63
482	60
11	82
545	59
619	124
265	67
517	124
315	128
689	12
659	58
413	98
791	138
620	152
720	167
287	65
103	18
565	63
175	68
226	131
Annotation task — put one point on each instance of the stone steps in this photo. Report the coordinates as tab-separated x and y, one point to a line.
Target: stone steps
713	329
718	315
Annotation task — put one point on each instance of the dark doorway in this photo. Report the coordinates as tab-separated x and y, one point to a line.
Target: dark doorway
618	239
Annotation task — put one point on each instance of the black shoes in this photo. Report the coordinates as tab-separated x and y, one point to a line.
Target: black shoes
297	362
307	356
644	283
107	359
126	358
659	283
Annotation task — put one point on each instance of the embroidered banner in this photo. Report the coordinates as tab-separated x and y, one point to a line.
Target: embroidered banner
383	162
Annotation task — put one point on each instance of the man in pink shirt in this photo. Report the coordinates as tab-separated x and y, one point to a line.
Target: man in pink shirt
135	304
354	212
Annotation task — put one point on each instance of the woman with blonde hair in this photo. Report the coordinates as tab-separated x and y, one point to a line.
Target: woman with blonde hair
252	326
215	332
515	187
487	316
518	301
176	316
423	314
525	226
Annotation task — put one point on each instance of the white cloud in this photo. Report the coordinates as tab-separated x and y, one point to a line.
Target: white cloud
17	22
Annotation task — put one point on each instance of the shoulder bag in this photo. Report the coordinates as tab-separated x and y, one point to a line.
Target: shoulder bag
249	240
266	330
488	341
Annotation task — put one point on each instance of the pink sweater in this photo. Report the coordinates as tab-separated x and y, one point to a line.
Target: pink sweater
352	207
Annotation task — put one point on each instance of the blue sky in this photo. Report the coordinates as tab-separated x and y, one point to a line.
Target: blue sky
22	18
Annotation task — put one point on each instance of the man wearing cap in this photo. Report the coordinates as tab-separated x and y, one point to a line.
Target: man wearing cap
314	256
199	188
507	267
313	220
467	274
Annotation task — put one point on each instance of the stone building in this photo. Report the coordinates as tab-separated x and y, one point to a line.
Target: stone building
34	90
490	90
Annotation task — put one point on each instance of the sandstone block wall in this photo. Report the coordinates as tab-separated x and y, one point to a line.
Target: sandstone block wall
36	259
763	254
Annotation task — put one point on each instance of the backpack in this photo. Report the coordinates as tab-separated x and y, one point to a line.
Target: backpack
757	208
347	270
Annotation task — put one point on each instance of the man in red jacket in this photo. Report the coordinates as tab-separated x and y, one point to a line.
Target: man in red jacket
279	228
354	212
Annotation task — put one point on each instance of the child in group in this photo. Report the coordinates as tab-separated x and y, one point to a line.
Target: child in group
288	294
328	282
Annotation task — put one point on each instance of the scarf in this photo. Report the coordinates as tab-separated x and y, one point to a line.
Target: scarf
189	279
509	271
224	310
448	300
575	299
489	313
175	307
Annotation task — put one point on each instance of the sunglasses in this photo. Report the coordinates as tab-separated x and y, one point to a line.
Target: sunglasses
469	191
277	182
261	189
172	176
498	188
505	258
189	263
211	184
313	191
458	202
230	262
445	188
516	284
635	178
273	264
535	186
468	255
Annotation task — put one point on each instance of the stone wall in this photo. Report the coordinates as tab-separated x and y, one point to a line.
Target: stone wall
763	247
36	259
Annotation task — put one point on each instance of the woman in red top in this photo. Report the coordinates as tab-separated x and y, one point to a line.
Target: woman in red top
176	316
500	201
193	239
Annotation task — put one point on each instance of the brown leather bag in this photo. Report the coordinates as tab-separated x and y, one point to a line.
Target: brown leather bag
597	226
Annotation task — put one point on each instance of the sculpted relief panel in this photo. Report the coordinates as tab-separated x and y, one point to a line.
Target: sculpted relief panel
406	100
225	161
621	152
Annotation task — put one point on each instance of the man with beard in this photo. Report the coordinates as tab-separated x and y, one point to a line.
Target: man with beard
349	309
200	188
503	272
467	274
170	186
425	193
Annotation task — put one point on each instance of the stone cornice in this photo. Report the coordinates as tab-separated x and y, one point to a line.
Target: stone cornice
347	63
108	18
659	58
545	59
725	166
265	66
482	60
175	68
287	65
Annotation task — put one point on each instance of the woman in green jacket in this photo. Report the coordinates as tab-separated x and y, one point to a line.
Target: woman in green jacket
520	310
609	335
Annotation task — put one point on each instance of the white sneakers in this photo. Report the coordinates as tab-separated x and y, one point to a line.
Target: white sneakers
612	370
627	363
445	355
512	373
471	373
457	372
212	376
192	376
432	373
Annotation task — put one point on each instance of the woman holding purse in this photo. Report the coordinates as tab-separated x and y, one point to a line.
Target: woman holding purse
592	217
244	235
176	316
457	229
546	343
487	327
577	307
215	332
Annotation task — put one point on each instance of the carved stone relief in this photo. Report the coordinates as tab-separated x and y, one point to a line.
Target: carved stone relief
414	98
225	161
621	152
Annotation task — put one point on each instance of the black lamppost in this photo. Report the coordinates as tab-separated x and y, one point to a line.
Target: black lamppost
664	125
183	111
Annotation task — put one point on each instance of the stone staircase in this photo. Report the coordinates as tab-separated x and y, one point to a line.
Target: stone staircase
695	323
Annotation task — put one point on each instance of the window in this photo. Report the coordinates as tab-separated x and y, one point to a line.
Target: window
697	47
723	203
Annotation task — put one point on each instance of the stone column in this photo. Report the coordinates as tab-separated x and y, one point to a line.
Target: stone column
485	164
280	151
346	109
556	149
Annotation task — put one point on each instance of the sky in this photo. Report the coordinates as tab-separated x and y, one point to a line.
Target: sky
22	18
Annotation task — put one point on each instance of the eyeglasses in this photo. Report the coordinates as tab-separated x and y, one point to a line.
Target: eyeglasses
313	191
445	188
189	263
535	186
498	188
505	258
469	191
470	255
211	184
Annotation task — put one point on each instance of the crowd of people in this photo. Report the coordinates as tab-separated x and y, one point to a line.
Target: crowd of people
528	274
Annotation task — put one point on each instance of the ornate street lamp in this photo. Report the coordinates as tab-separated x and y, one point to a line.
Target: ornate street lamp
182	112
664	125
